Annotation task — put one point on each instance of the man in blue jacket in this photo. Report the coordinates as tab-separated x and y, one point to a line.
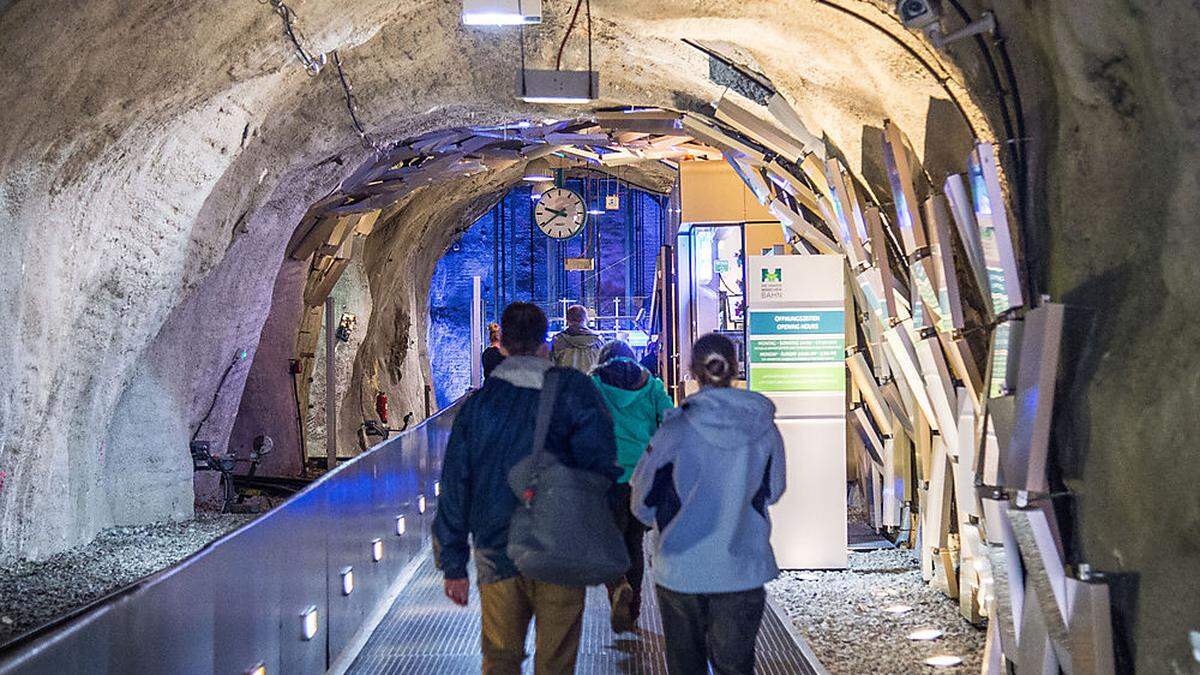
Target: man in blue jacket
491	433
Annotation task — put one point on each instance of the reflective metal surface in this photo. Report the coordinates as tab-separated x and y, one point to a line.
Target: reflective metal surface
241	601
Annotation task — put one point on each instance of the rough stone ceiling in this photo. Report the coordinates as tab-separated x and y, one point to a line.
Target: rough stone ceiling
170	151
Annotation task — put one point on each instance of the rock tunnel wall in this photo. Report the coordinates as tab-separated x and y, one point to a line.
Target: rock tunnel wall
1112	93
149	188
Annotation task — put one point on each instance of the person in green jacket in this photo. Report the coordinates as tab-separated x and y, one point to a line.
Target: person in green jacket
637	401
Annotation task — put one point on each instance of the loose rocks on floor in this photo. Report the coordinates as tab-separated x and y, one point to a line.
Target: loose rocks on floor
841	615
33	593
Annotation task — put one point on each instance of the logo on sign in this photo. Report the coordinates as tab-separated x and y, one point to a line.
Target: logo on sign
772	275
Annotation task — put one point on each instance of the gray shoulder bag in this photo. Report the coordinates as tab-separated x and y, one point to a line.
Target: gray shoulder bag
563	531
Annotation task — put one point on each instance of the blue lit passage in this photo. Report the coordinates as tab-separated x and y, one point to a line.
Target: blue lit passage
516	261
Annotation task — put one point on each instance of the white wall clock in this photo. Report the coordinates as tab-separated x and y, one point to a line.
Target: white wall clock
560	213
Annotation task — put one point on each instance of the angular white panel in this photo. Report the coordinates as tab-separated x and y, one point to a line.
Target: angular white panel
939	388
860	374
1026	458
903	356
995	233
908	217
1090	628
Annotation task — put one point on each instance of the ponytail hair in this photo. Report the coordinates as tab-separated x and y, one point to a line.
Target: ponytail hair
714	361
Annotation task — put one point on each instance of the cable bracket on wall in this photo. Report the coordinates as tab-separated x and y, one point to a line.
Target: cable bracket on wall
315	63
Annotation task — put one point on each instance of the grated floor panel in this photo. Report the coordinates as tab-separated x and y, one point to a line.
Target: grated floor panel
424	633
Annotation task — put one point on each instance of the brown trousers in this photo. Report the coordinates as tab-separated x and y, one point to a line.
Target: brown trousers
508	606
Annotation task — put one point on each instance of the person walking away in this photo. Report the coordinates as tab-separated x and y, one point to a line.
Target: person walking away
637	401
576	346
705	482
491	433
650	359
494	354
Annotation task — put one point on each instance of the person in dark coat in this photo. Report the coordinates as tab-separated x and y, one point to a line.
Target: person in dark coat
491	433
494	354
638	402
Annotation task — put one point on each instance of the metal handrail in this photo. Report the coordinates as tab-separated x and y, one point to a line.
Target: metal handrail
23	650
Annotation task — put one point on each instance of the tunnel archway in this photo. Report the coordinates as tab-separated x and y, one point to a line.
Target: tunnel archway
145	256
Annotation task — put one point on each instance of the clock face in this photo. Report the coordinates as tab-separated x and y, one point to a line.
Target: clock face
560	213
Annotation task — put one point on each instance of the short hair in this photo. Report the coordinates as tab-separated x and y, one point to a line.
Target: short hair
493	332
523	328
576	314
615	350
714	360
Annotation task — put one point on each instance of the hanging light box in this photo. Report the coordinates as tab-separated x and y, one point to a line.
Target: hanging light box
501	12
558	86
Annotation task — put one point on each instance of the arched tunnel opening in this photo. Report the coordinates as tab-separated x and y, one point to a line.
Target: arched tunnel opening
246	240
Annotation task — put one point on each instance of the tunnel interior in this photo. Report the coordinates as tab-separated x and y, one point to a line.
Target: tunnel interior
178	205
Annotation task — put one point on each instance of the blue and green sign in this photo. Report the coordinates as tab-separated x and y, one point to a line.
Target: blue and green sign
797	350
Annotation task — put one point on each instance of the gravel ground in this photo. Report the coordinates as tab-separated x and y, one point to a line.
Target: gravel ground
32	593
841	615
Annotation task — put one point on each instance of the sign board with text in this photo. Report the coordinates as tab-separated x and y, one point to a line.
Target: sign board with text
796	349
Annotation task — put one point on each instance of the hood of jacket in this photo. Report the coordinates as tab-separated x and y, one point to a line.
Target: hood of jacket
526	372
621	374
579	337
725	416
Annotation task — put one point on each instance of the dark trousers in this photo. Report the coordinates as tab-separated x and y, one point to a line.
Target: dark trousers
711	627
634	533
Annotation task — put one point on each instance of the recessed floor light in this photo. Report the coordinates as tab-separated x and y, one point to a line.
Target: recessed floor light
925	634
897	609
943	661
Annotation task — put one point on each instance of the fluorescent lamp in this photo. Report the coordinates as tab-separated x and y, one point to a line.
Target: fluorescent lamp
347	580
400	526
308	621
538	171
376	550
558	86
501	12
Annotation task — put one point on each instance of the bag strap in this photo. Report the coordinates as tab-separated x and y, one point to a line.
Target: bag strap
542	427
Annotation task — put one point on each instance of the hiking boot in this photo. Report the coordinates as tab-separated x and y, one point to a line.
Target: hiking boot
623	617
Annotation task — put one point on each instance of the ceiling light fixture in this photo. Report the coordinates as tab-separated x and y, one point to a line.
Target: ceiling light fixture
501	12
558	85
538	171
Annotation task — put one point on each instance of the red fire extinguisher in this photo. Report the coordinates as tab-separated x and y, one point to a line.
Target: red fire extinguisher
381	406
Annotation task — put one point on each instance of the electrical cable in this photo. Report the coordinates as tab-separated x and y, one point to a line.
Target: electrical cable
352	104
312	65
216	394
566	35
300	425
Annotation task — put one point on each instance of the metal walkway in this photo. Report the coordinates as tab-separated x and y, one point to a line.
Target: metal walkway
424	633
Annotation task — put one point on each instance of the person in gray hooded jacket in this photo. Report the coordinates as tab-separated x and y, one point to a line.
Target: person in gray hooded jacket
576	346
704	483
